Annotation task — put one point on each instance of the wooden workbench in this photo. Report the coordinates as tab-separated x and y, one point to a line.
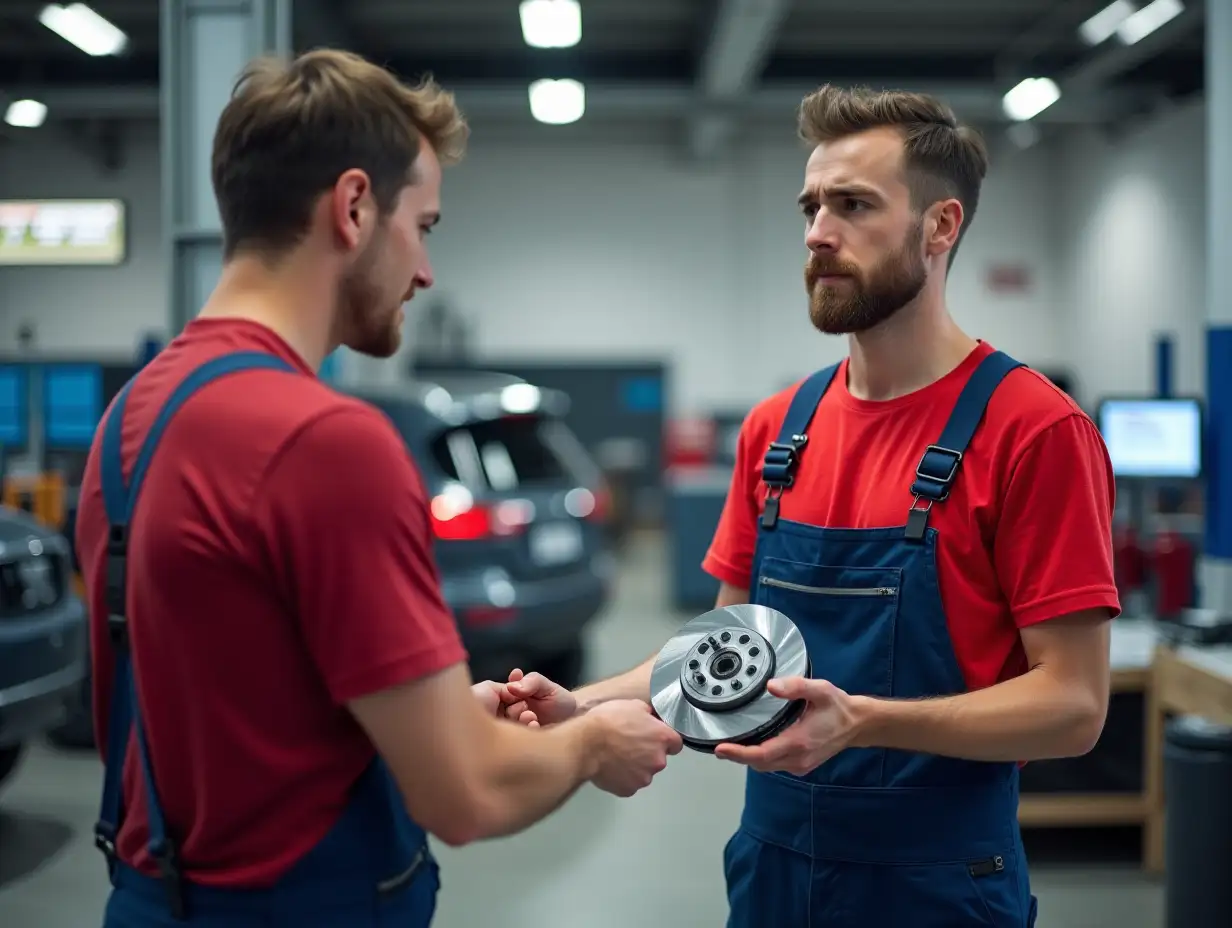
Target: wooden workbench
1185	680
1133	644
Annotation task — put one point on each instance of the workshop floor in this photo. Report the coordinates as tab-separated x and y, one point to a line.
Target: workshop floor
653	860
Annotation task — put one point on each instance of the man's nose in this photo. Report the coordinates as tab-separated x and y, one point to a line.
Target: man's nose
822	234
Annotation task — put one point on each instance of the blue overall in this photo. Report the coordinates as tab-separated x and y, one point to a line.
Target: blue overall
875	838
372	870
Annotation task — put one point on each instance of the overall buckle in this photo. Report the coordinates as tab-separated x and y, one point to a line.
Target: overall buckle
105	842
173	878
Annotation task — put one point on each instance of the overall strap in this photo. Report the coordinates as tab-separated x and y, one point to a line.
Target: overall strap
119	501
783	455
938	468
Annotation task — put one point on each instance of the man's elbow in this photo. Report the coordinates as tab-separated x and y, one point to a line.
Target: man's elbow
1086	726
461	824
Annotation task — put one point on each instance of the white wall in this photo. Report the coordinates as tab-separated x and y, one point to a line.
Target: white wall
1134	260
103	310
592	248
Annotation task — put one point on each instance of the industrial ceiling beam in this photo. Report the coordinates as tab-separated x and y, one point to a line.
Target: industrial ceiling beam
973	102
1013	63
1117	58
741	37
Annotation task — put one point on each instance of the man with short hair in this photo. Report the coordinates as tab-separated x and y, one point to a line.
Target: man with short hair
936	520
266	619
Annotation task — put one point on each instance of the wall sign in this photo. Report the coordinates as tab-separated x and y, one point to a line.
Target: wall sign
62	232
1009	278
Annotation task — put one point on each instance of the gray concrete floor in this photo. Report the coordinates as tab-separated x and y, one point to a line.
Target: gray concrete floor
600	862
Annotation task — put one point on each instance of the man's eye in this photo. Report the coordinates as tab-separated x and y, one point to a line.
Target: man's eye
854	205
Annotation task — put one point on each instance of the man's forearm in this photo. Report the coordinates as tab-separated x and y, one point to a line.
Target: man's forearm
533	772
1031	717
632	684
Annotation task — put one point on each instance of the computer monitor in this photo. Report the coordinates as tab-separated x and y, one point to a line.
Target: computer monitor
1153	439
72	405
14	408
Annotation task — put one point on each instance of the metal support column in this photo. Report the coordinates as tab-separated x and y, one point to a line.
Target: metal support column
205	45
1216	577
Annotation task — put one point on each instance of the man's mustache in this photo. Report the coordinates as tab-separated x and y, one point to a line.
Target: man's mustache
817	268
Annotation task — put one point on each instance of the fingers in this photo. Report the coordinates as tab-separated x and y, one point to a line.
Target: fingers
515	675
529	686
769	755
799	688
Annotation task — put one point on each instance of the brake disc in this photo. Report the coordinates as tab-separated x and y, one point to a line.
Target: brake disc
709	680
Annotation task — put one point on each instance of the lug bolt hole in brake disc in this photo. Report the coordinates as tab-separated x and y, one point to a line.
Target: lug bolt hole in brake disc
709	680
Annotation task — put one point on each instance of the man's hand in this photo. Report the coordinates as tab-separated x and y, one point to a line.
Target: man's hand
634	747
533	698
496	700
827	726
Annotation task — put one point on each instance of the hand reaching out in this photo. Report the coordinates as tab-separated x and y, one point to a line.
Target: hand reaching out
533	697
496	700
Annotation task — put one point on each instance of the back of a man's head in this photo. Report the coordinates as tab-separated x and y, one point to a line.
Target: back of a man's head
941	158
292	128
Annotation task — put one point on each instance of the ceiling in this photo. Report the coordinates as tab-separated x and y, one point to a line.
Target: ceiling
700	59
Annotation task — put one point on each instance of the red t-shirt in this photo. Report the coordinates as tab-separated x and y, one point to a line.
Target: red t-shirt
1025	536
280	565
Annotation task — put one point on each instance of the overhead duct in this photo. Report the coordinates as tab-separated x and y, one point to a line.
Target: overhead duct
740	41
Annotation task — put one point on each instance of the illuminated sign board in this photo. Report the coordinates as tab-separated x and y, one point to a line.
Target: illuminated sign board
63	232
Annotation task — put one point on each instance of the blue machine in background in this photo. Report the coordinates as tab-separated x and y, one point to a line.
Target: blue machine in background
14	408
72	405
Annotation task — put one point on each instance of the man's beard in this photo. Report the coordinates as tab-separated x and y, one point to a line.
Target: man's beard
371	327
857	305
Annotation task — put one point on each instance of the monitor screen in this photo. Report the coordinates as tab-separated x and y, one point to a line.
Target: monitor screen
62	232
72	404
14	408
1153	438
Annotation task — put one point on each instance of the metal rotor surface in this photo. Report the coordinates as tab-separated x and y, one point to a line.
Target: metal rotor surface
711	688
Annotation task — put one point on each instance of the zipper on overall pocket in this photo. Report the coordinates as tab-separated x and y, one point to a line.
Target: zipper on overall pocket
829	590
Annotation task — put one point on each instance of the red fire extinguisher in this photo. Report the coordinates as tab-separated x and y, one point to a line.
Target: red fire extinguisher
1172	562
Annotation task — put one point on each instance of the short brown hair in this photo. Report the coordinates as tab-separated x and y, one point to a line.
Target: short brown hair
942	158
292	128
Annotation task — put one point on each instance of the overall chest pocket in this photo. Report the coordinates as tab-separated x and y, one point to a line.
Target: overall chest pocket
847	616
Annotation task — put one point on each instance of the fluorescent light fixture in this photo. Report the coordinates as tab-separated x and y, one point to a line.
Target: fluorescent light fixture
551	23
1148	19
557	102
1104	24
1030	98
78	24
25	114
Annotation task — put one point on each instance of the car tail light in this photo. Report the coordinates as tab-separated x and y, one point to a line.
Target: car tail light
456	516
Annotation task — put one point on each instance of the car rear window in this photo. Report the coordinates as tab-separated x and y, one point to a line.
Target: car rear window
510	453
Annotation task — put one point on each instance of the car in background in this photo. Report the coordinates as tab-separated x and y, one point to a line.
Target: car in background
44	639
518	510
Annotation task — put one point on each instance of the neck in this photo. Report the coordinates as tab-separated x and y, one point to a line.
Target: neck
293	298
919	345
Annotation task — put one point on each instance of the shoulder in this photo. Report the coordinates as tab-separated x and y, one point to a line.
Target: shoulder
765	419
330	429
1027	406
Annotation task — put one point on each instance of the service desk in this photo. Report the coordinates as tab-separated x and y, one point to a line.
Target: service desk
1186	680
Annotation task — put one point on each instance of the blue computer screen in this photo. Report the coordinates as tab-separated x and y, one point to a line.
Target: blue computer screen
14	411
72	404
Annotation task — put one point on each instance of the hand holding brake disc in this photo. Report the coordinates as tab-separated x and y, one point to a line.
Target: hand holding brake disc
709	681
826	727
